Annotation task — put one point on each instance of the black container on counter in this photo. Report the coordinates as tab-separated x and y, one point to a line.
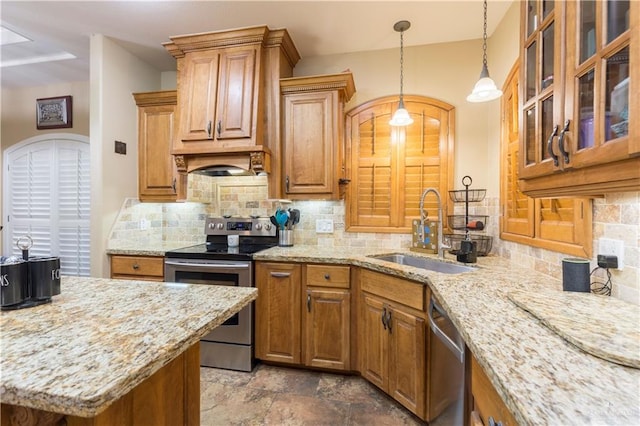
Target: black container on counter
14	278
44	277
31	282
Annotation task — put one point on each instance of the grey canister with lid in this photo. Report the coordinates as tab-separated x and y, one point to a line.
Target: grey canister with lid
575	275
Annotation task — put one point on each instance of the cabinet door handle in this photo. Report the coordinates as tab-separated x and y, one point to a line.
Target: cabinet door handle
280	274
389	320
136	266
219	127
564	153
550	145
308	302
384	318
286	183
209	129
493	422
173	185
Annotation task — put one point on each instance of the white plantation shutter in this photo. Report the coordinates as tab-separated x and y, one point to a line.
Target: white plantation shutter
48	199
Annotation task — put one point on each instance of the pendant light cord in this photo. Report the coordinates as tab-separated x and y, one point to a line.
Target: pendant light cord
484	37
401	63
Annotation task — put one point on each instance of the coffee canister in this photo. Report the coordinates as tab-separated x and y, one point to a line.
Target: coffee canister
575	275
14	278
44	277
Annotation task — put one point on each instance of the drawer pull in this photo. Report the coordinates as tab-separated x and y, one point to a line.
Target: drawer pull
136	266
327	277
280	274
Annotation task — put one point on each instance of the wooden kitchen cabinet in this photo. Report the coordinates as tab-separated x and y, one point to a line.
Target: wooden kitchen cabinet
486	404
313	135
158	178
558	224
392	338
148	268
326	323
580	127
308	327
278	312
216	98
227	83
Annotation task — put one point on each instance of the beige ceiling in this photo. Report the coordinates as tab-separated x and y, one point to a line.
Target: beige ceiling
317	28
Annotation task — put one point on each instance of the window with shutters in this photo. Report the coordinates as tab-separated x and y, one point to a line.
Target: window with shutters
390	167
559	224
47	196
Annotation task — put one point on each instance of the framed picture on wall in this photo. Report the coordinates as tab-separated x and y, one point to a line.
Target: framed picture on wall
53	113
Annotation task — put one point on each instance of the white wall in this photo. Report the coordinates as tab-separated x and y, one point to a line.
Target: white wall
114	75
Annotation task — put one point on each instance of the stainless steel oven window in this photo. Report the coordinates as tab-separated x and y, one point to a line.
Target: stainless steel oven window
238	328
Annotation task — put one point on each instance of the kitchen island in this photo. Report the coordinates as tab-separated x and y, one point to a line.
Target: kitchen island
111	351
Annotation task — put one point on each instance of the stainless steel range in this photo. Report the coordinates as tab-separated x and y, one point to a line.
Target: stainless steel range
217	262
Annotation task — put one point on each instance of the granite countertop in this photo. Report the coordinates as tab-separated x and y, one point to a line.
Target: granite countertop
100	338
542	378
121	248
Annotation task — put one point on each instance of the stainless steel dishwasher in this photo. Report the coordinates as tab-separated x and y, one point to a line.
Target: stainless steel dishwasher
446	369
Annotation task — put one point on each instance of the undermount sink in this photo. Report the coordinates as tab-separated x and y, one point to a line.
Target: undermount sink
424	263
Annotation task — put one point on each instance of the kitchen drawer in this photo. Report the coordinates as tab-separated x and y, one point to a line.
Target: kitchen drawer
137	267
399	290
328	276
487	403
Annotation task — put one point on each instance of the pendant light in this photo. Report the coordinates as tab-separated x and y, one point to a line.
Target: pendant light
485	89
401	116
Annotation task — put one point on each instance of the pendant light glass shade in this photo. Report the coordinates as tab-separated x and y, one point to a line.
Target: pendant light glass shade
485	89
401	117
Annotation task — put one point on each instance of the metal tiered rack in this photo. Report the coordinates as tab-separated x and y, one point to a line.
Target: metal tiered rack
468	223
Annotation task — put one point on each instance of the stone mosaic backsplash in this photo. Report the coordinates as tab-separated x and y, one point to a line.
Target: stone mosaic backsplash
615	216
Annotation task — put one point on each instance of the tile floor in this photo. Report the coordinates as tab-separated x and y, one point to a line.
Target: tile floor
285	396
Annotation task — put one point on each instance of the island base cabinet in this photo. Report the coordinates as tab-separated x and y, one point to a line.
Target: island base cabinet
171	396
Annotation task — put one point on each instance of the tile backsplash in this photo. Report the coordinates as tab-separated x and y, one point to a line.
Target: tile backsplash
615	216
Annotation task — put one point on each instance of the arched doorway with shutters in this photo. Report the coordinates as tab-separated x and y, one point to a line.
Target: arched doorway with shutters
46	195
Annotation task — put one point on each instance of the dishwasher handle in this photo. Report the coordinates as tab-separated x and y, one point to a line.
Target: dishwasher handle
448	342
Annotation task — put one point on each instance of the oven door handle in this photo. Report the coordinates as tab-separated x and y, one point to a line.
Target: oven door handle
209	265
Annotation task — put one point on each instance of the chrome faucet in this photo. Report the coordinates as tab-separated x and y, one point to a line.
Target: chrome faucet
441	246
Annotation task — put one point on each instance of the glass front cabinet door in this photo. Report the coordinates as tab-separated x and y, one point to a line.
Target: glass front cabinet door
579	121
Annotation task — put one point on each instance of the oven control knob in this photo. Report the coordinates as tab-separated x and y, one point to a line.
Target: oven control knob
220	225
212	226
258	226
267	226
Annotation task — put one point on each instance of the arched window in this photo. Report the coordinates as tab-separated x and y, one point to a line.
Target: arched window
390	167
47	197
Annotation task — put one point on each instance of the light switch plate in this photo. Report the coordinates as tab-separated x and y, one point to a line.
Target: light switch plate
324	226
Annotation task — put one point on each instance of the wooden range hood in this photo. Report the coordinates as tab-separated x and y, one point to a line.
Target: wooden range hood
253	159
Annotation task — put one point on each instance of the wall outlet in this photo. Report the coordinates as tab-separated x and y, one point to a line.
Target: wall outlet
324	226
144	224
610	247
